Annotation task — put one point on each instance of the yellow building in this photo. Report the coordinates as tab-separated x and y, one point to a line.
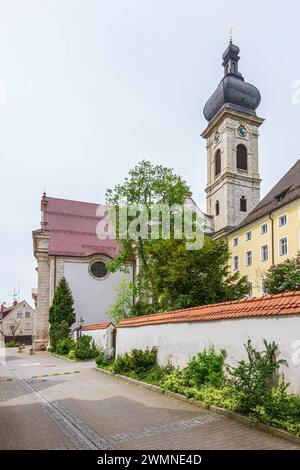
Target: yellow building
270	233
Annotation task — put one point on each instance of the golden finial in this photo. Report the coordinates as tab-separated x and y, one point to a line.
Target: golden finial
230	35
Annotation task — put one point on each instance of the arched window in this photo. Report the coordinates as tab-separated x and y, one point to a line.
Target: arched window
241	157
243	204
217	208
217	162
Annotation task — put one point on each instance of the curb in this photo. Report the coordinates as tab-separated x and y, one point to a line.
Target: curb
216	409
61	357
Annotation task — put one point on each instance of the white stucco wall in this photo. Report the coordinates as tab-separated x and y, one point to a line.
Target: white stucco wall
91	296
99	337
179	342
102	338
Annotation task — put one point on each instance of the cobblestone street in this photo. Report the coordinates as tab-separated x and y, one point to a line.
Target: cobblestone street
50	403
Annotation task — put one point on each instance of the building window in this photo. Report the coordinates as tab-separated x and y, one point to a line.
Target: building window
235	241
264	253
282	220
235	263
27	326
241	157
19	314
217	162
248	236
217	208
248	258
283	246
243	204
263	229
27	314
98	269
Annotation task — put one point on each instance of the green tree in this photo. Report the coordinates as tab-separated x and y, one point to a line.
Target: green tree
187	278
123	305
283	277
169	275
146	185
61	313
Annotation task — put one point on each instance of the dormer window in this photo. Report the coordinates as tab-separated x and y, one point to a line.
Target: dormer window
282	195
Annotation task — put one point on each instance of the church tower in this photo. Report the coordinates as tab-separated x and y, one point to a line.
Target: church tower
233	180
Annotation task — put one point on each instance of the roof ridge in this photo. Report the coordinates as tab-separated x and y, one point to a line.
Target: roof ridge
258	211
74	200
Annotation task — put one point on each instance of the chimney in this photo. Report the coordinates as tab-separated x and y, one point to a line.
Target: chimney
15	303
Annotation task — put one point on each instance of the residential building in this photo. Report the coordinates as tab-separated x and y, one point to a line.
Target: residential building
274	225
16	322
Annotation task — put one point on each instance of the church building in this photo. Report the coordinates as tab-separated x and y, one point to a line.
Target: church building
233	180
259	233
66	245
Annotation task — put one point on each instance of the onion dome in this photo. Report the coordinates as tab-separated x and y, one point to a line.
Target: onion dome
232	92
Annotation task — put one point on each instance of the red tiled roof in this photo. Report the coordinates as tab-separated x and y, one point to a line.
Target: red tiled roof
6	310
97	326
72	228
269	305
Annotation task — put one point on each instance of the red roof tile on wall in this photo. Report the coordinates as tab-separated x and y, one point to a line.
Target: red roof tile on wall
97	326
72	228
270	305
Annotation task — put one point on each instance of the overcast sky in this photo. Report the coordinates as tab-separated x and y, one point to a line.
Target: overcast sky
88	88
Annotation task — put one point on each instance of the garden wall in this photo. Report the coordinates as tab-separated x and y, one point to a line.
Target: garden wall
178	342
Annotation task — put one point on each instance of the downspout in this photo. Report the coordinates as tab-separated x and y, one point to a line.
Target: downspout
54	276
272	236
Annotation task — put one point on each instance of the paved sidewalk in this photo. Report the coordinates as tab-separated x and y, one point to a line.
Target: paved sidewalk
50	403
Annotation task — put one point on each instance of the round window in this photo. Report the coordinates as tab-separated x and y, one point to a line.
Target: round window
98	269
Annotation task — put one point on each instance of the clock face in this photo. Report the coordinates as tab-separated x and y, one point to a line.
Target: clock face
242	131
217	138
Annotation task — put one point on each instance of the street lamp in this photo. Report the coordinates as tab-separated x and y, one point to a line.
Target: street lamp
81	322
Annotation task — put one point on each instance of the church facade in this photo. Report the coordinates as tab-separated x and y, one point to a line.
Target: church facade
66	245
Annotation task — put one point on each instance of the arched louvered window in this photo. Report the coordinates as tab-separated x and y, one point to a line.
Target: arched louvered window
241	157
217	208
243	204
217	162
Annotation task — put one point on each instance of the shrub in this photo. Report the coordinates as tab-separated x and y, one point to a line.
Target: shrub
12	344
206	367
282	410
137	361
64	346
283	277
102	360
85	348
253	380
72	354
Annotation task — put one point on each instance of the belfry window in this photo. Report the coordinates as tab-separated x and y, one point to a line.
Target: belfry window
217	208
241	157
243	204
217	162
